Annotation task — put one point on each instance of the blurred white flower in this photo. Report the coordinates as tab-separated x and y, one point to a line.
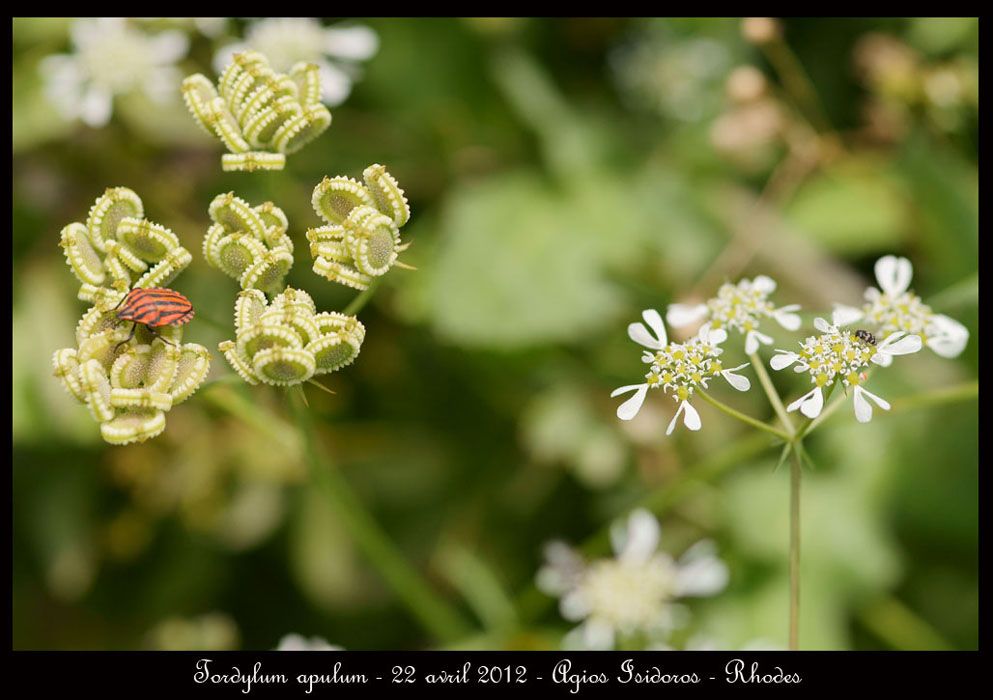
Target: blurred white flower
111	57
676	77
840	356
288	40
896	308
632	592
741	306
680	367
297	642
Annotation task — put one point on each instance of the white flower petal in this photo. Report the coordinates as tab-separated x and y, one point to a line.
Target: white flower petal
168	47
882	359
764	284
562	570
823	326
753	339
359	43
639	334
812	407
814	395
786	318
336	84
92	31
574	606
894	274
672	423
836	320
637	540
700	571
598	634
736	380
679	315
751	343
946	336
96	107
900	344
844	315
629	409
714	336
783	360
691	418
654	321
863	409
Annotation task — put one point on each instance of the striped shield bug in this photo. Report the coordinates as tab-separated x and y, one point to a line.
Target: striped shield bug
153	308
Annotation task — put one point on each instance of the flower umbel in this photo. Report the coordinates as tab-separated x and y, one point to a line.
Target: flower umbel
632	592
896	308
287	342
249	243
840	356
677	367
117	249
260	115
361	240
741	306
129	387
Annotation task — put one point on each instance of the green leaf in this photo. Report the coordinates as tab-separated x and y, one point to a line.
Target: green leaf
518	267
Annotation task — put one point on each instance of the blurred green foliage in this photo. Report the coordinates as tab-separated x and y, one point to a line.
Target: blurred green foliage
563	175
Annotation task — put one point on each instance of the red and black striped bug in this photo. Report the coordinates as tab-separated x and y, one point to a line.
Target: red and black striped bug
154	307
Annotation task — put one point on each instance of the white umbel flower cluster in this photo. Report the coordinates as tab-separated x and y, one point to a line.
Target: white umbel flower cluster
894	307
633	592
111	57
840	356
677	367
741	307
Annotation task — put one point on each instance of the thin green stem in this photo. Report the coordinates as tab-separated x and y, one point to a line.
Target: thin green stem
770	391
430	609
935	397
795	468
362	299
742	417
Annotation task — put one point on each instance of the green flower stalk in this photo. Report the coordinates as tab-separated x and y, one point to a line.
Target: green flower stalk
287	342
117	249
258	114
249	243
129	389
361	240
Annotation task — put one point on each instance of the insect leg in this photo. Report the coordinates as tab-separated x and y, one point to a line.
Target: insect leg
130	336
155	333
